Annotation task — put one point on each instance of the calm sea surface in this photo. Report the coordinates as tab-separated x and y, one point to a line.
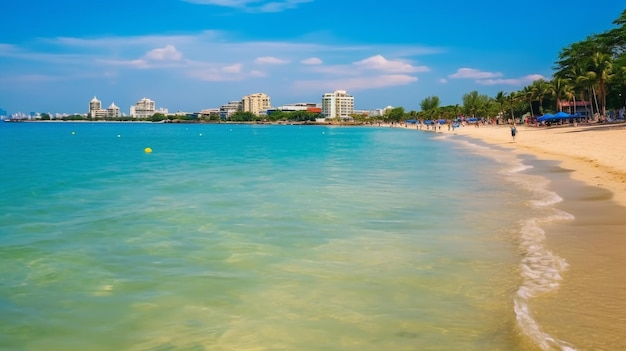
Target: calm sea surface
252	237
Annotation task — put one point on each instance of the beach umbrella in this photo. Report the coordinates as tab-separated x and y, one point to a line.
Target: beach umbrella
562	115
545	117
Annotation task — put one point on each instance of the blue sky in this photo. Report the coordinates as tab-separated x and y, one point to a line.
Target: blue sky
189	55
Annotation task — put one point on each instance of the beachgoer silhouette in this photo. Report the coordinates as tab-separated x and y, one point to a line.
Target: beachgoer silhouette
513	132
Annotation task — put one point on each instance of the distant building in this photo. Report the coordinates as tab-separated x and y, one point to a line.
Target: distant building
144	108
301	106
230	108
95	109
209	113
113	111
255	103
575	106
337	104
370	113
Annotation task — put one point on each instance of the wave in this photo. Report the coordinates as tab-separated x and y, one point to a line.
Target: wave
540	269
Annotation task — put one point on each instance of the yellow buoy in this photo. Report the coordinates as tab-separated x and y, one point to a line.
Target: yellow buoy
147	150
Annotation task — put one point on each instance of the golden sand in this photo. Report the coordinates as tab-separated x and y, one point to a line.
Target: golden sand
596	154
589	307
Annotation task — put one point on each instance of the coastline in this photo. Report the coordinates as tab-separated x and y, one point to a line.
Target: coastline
586	166
595	154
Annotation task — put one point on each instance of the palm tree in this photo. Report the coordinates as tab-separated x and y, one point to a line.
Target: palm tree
602	67
591	80
541	89
512	97
560	89
501	99
529	95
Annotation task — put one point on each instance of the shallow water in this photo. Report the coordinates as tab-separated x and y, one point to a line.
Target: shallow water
252	237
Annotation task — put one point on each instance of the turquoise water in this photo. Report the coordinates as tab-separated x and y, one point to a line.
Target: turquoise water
255	237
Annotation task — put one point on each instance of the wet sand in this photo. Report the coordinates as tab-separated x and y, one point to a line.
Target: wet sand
596	154
587	168
589	308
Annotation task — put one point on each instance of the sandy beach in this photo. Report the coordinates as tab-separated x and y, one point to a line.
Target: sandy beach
589	302
596	153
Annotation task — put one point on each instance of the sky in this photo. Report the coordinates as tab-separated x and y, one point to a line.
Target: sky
189	55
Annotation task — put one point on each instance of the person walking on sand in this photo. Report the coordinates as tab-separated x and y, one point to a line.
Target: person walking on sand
513	132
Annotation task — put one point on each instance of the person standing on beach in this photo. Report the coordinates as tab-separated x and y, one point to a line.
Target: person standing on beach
513	132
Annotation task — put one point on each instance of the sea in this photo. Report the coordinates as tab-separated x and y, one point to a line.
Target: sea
141	236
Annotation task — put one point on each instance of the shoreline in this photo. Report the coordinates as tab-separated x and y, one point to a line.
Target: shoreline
586	167
595	155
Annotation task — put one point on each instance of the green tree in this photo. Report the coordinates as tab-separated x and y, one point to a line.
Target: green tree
430	106
511	99
561	90
473	103
241	116
501	99
157	117
540	89
396	114
602	67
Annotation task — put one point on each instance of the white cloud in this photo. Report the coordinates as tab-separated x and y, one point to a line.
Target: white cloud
312	61
236	68
443	81
380	63
186	58
470	73
512	81
253	5
168	53
155	58
269	60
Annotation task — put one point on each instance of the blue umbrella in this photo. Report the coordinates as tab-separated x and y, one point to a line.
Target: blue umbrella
545	117
562	115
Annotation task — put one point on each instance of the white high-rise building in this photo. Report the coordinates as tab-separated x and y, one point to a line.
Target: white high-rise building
337	104
95	104
113	111
96	110
255	103
144	108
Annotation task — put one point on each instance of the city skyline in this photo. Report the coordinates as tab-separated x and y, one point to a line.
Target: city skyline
204	53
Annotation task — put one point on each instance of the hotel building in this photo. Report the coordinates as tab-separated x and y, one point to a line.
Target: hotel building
144	108
96	110
255	103
337	104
